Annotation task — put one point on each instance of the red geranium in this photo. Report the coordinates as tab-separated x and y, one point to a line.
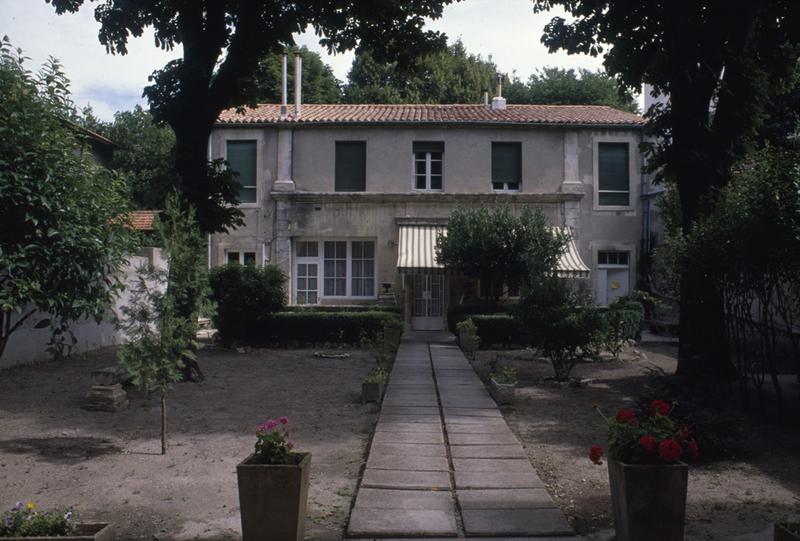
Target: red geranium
595	452
626	416
659	407
648	442
670	450
694	450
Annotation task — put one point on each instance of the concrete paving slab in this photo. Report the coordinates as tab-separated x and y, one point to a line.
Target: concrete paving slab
408	437
404	462
495	522
471	412
488	451
520	465
391	426
478	428
404	479
427	419
497	479
408	449
409	410
415	522
523	498
468	419
483	439
385	498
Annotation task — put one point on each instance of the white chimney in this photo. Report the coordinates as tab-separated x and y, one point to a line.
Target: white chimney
499	102
486	98
284	85
298	81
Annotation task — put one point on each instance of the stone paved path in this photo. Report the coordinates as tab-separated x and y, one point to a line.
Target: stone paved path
443	463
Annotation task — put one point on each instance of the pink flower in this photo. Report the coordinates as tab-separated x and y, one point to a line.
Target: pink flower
283	420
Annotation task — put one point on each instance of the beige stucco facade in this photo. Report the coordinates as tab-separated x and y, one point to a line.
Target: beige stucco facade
296	199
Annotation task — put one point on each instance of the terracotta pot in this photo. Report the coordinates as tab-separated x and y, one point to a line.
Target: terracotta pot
503	393
782	533
86	532
272	499
649	501
371	392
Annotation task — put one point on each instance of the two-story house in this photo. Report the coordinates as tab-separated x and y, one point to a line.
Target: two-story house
348	199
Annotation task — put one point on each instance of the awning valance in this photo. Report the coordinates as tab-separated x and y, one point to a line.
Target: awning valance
417	251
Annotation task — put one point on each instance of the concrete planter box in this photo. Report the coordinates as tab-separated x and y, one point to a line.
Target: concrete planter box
782	533
649	501
503	393
466	341
86	532
392	335
371	392
272	499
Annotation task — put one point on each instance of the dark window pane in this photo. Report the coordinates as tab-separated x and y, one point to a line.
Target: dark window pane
420	182
358	250
506	162
436	182
250	258
241	156
301	297
512	185
351	166
436	168
497	185
611	198
312	249
369	250
233	257
330	250
421	167
613	169
623	258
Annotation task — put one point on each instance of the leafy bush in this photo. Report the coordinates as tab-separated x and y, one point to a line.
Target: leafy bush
377	375
457	313
24	521
389	308
498	330
623	321
322	327
245	297
505	376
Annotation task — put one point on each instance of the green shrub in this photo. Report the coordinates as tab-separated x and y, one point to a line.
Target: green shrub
311	327
498	330
24	521
245	297
391	309
457	313
505	376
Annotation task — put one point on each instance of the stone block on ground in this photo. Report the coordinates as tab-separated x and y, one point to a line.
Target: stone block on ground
488	451
110	398
408	437
402	479
405	462
522	498
497	479
401	523
502	522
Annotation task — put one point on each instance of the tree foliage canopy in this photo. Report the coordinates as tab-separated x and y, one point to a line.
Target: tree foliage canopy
63	242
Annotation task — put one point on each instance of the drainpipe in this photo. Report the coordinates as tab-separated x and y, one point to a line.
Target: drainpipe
298	82
284	85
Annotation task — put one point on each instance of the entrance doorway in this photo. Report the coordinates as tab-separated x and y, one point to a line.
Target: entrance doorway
428	302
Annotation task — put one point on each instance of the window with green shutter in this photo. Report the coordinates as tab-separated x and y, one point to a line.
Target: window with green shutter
613	175
351	166
241	156
506	166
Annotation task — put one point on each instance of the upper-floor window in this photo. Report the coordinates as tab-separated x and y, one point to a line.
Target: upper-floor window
612	258
351	166
613	174
241	156
428	163
506	166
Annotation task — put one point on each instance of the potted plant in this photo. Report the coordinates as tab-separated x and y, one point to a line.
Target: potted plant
24	523
501	385
468	335
392	331
373	385
647	477
273	486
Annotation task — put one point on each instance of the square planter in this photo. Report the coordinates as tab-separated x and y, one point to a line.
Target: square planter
782	533
503	393
392	335
272	499
100	531
649	501
371	392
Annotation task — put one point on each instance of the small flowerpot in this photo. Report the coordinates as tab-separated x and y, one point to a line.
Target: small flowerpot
503	393
371	392
392	335
649	501
467	341
785	532
272	498
85	532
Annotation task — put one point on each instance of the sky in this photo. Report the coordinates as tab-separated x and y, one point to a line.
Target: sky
506	30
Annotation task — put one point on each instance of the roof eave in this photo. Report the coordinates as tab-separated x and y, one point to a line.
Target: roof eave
327	123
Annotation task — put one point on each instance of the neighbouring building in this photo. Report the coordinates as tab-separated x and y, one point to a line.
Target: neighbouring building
348	199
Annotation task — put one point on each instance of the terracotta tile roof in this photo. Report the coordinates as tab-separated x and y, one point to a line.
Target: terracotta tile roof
142	220
591	115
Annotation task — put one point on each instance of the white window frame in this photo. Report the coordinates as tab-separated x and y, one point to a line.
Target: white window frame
633	154
428	161
241	253
247	136
320	262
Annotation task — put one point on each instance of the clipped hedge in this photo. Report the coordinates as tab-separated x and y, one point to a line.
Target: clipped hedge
338	308
320	327
456	313
497	330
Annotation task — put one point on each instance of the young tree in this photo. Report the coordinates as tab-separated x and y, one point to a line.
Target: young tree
62	245
223	43
722	66
319	84
160	338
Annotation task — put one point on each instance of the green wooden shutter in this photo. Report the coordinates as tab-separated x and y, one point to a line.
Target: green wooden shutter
613	176
506	162
241	156
351	166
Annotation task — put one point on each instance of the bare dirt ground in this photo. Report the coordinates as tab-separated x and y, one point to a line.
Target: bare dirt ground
108	465
743	493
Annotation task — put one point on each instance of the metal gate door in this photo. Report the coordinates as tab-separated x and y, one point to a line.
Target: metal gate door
428	303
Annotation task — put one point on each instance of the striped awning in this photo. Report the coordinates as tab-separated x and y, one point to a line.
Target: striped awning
417	247
417	251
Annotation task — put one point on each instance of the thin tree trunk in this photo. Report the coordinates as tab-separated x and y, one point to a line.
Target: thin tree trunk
163	423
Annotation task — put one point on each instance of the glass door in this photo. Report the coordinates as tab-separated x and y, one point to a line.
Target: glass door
428	302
